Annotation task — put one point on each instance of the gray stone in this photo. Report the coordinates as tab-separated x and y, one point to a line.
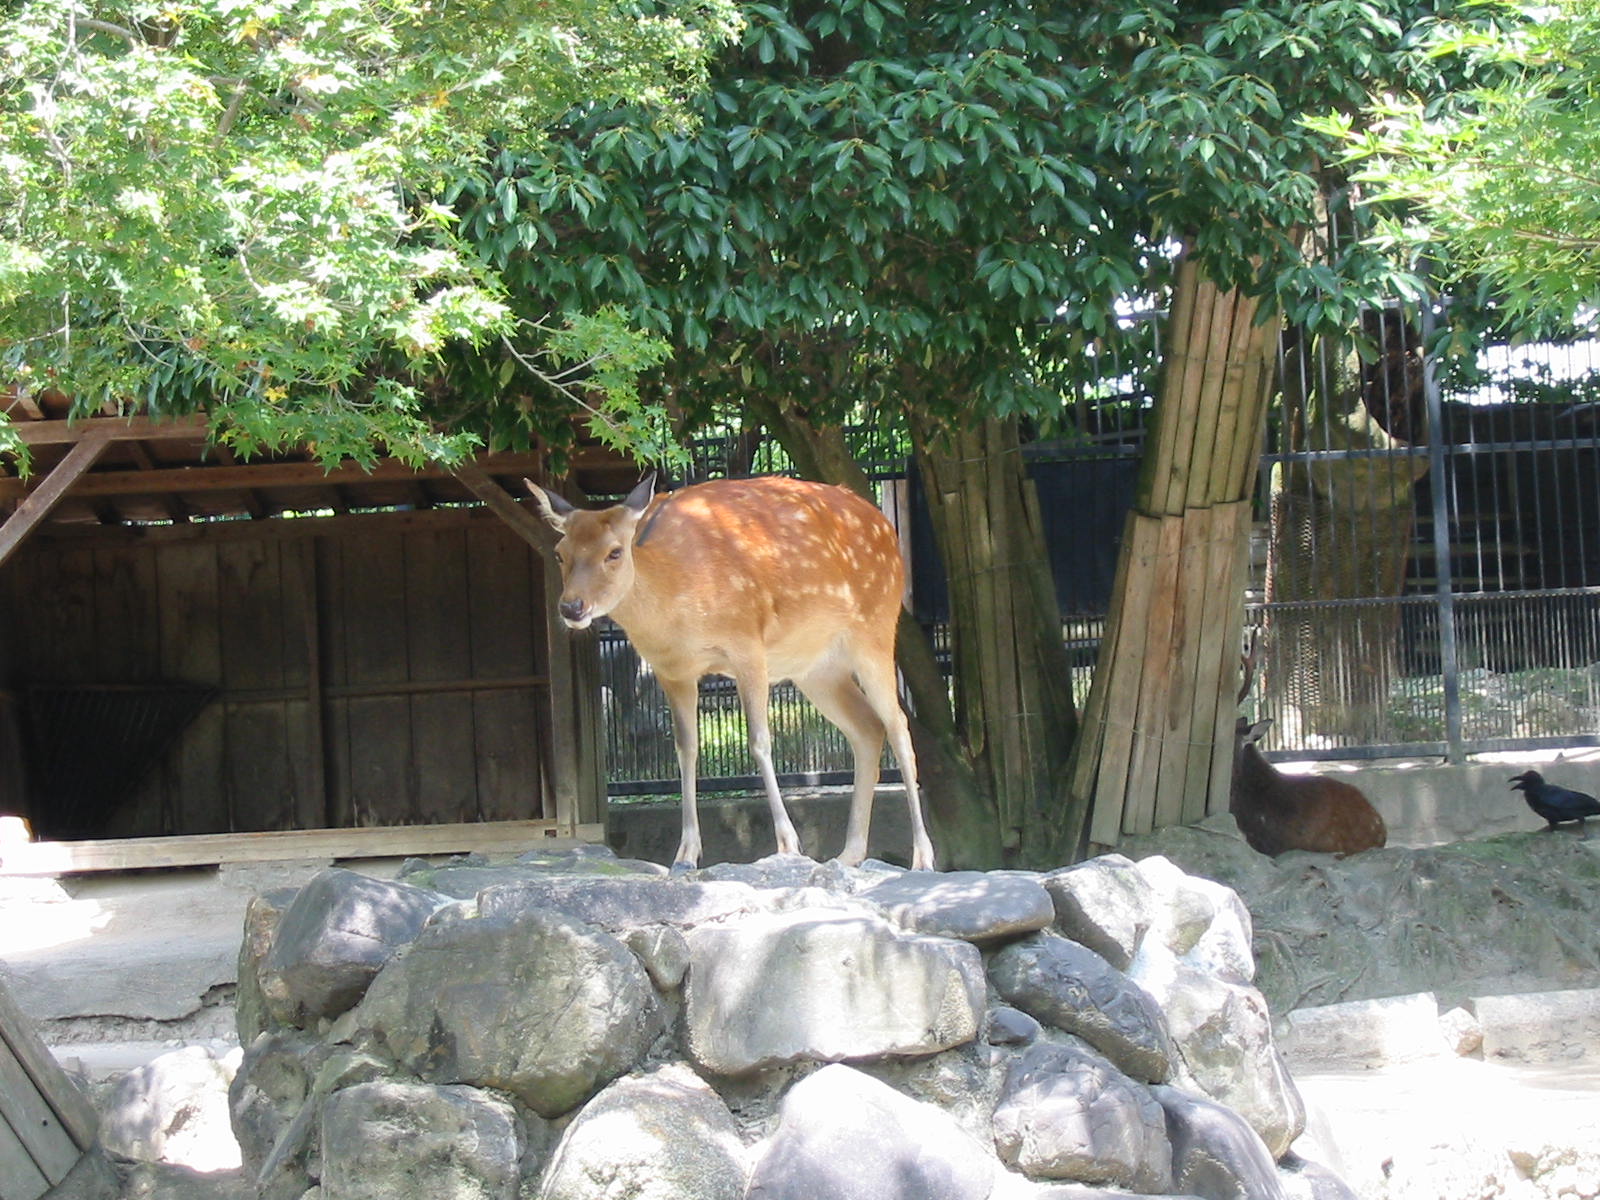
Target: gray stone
975	906
268	1089
1215	1153
1200	921
1540	1027
1303	1180
1011	1027
261	918
336	935
1067	1113
540	1006
828	987
164	1181
845	1136
661	1136
663	950
1362	1034
1072	988
174	1109
775	870
1104	904
626	903
385	1140
1224	1033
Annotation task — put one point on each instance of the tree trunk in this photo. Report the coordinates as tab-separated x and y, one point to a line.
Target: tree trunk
1012	676
1157	744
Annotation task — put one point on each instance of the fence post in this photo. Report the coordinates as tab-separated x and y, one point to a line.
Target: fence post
1444	573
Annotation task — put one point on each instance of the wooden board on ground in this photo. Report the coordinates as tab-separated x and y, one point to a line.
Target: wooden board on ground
396	841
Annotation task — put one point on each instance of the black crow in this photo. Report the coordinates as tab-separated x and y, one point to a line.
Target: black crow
1555	804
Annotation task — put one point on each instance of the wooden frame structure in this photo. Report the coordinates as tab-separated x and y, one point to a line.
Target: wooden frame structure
372	654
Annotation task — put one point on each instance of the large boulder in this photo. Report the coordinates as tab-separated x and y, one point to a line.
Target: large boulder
1068	1113
388	1139
976	906
1104	904
336	935
661	1136
539	1006
1072	988
828	987
174	1109
843	1135
1197	964
1215	1153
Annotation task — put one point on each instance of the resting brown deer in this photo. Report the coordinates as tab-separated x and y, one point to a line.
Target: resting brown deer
762	580
1278	812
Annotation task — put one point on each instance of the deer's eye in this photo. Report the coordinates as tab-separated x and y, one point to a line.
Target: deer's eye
616	553
559	560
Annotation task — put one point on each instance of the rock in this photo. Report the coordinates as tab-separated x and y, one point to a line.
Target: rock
1363	1034
661	1136
174	1109
845	1136
1010	1027
975	906
1104	904
539	1006
626	903
261	919
1072	988
773	871
268	1089
1215	1153
1200	922
1302	1180
389	1139
333	939
1540	1027
1068	1113
824	986
164	1181
663	950
1224	1033
1461	1032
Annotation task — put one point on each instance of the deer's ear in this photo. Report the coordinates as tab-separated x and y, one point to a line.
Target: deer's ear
1256	732
639	499
553	508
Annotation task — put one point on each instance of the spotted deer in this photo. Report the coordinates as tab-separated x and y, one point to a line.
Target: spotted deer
762	580
1278	812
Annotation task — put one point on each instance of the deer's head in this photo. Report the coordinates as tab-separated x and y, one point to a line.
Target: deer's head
595	551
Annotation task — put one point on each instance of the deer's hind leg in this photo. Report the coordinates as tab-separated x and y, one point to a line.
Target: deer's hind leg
839	699
876	674
754	694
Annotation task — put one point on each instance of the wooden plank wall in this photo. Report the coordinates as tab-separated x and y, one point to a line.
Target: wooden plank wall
370	670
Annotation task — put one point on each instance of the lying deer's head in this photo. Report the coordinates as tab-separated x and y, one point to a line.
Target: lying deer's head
595	551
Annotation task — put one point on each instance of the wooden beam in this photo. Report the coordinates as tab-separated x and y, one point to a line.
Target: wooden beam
36	505
198	850
118	429
504	505
267	475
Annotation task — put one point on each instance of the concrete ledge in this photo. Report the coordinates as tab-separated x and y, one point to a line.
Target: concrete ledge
1540	1027
1362	1034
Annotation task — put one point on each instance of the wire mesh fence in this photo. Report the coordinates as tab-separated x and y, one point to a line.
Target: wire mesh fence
1425	570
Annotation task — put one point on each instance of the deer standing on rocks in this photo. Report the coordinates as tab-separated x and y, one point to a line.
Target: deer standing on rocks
762	580
1278	812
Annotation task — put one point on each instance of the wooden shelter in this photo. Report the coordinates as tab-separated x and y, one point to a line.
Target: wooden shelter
193	645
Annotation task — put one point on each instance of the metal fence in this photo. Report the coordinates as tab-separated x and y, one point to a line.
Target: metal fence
1425	567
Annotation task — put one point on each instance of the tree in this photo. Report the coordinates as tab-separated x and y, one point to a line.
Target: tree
1497	187
928	213
231	205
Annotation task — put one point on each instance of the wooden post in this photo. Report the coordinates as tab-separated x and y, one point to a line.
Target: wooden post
1157	742
46	1123
36	505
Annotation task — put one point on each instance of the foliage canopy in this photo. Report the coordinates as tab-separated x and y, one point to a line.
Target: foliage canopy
232	204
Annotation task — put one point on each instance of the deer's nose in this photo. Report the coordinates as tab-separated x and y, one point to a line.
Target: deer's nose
572	610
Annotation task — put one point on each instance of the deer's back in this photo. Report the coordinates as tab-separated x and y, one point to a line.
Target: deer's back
1277	812
790	568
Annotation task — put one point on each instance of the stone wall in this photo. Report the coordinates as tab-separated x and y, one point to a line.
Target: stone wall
578	1025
